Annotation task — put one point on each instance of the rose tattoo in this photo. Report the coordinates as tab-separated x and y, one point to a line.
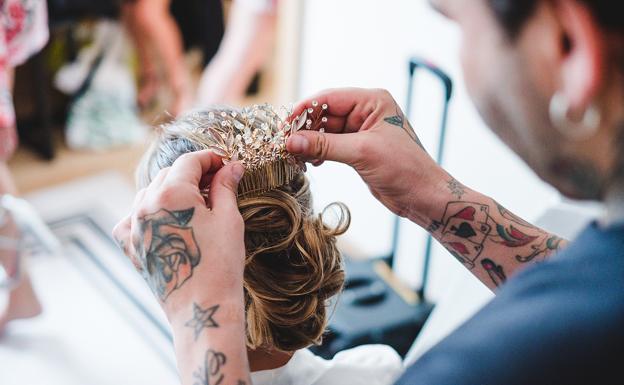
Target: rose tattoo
169	250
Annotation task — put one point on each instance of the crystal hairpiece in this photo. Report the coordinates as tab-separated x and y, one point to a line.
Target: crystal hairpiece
256	136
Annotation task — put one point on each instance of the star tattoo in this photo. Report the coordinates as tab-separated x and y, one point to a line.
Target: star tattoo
202	319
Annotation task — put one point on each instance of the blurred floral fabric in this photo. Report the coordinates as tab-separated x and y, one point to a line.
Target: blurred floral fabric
23	32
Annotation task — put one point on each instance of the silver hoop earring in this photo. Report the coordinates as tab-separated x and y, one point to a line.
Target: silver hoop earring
559	112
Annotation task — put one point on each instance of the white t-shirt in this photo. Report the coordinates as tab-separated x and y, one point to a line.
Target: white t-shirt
364	365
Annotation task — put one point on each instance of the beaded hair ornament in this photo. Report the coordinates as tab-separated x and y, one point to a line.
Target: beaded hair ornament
256	136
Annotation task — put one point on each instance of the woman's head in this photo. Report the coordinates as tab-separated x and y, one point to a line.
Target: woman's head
292	266
548	77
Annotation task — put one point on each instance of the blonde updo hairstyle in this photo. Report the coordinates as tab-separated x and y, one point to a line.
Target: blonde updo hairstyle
292	266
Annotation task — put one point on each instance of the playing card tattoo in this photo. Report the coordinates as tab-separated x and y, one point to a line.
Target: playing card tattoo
469	229
466	227
168	251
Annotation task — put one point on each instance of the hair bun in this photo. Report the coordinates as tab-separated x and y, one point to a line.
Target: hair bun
292	267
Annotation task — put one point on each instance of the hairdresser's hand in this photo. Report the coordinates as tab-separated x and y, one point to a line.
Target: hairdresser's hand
367	130
193	259
186	251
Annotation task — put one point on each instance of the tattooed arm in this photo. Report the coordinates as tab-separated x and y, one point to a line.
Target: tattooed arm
192	258
485	237
210	343
384	149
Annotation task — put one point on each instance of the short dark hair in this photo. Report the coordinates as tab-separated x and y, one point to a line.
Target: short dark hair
514	13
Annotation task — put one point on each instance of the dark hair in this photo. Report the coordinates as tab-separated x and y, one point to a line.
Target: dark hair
514	13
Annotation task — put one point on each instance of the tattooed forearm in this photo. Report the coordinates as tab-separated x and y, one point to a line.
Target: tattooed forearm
469	230
209	373
168	251
400	121
202	319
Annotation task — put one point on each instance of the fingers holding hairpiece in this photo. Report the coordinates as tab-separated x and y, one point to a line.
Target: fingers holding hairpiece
318	147
192	167
346	106
224	188
333	122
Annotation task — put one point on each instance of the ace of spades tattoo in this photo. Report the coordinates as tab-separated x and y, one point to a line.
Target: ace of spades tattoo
466	227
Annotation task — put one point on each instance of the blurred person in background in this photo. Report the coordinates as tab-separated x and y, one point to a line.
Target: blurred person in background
162	30
245	48
23	32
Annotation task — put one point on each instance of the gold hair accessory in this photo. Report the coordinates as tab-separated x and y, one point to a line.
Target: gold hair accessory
256	136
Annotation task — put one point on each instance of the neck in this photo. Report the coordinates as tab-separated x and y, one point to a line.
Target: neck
267	359
614	202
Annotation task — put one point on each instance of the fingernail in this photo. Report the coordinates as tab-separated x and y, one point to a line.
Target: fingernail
298	144
238	170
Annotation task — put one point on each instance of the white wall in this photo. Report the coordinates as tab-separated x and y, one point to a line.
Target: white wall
367	43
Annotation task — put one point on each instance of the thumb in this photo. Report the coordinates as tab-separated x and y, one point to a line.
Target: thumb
320	146
224	187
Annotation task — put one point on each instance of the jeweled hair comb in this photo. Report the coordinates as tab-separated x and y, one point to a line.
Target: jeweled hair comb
256	136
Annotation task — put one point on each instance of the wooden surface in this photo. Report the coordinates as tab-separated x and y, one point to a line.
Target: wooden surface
32	173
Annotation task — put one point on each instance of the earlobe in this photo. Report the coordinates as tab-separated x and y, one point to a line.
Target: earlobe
573	129
583	44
